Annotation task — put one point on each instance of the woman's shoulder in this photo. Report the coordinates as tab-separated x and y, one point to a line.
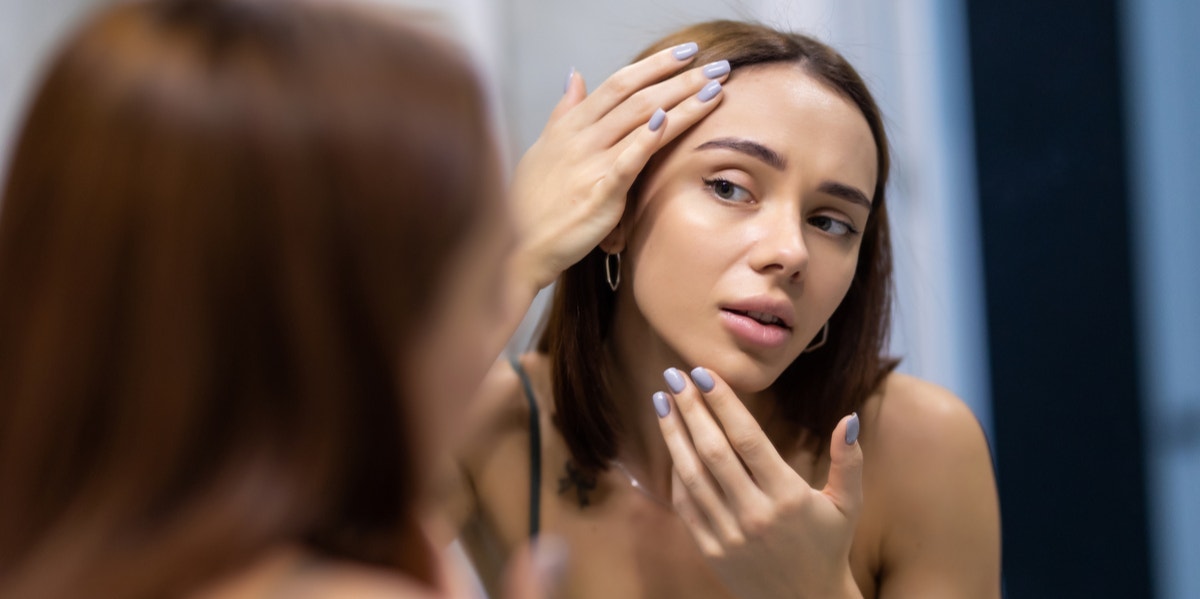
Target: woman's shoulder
924	427
909	408
502	405
926	459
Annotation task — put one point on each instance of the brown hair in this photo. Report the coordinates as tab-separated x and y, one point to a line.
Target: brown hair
818	388
223	219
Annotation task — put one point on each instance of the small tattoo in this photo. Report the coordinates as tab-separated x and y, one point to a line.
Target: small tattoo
582	481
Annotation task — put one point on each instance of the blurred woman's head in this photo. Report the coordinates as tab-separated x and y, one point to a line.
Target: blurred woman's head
756	234
226	227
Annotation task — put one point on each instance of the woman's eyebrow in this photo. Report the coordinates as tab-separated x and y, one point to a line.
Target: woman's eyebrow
747	147
845	192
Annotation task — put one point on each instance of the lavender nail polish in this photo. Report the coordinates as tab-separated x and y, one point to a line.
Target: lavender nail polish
656	121
710	91
713	70
662	404
852	429
703	379
674	380
685	51
567	83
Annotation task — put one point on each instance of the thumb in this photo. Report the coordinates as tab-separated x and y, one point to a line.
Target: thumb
844	487
537	570
574	91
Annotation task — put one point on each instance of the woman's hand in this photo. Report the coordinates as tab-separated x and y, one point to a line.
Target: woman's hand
569	189
765	531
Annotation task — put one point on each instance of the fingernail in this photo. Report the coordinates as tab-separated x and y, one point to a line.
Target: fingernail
713	70
685	51
710	91
567	83
703	379
674	380
852	429
549	561
662	404
656	121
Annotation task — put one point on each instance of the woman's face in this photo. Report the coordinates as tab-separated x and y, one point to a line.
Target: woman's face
746	233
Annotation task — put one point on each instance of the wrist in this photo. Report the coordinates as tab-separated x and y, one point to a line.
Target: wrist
526	277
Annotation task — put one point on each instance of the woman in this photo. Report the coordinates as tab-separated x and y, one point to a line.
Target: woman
691	423
237	240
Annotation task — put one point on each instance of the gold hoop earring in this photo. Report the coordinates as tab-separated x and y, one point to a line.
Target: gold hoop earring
613	282
821	342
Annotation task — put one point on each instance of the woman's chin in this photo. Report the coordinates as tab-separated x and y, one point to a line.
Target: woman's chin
744	374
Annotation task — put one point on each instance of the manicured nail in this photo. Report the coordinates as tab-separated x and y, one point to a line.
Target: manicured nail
710	91
852	429
685	51
656	121
674	380
549	560
662	404
567	83
703	379
713	70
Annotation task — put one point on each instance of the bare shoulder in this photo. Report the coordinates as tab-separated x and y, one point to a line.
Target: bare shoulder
498	409
930	464
495	464
915	419
501	407
494	439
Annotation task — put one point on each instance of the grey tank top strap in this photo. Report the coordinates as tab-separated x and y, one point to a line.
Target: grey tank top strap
535	449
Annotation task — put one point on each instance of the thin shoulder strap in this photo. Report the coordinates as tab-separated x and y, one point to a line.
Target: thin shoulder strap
535	450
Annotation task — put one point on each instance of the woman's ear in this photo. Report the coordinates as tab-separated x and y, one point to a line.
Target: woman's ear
615	242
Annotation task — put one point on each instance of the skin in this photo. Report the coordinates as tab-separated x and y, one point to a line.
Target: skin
909	509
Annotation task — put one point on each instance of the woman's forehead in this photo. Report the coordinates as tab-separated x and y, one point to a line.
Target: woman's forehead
799	117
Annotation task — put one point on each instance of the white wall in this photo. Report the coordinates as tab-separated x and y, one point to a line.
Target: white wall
29	30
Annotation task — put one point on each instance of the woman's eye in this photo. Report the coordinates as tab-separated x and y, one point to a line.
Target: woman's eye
727	191
832	226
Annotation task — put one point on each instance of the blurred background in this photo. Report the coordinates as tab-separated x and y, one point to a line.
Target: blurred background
1046	201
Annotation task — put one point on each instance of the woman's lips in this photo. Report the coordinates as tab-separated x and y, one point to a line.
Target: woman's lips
753	332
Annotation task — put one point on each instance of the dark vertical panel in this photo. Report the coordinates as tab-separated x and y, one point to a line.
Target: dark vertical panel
1053	195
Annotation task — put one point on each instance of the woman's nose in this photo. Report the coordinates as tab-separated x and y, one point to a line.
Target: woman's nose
781	250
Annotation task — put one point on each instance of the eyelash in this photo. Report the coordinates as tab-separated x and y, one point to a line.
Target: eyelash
712	184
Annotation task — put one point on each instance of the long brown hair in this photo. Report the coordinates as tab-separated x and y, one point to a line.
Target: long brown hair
818	388
223	219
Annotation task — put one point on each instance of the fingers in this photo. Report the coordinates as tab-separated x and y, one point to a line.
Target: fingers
709	445
692	475
844	486
694	83
637	148
629	80
691	515
745	436
574	91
